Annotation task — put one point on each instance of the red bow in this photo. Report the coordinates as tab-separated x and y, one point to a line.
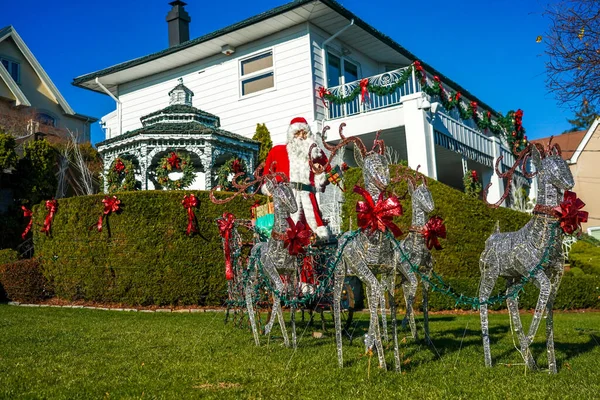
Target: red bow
518	120
51	206
364	89
111	204
27	213
474	108
225	225
378	216
568	211
322	93
119	166
420	70
297	237
236	166
457	96
474	175
190	202
434	229
174	160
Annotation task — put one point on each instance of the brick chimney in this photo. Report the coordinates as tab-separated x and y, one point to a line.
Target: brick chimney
179	23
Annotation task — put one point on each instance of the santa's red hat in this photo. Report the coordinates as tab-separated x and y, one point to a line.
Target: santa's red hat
297	124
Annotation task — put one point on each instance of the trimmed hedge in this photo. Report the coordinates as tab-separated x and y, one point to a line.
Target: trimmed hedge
24	282
469	222
146	260
6	256
585	257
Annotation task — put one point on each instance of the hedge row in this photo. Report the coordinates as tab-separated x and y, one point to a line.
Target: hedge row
469	222
6	256
584	258
142	256
24	282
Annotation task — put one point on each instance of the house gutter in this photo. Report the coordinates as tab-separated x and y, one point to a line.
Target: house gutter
119	115
323	51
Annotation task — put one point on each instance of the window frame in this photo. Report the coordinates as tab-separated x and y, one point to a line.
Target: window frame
256	74
592	229
47	114
10	62
343	60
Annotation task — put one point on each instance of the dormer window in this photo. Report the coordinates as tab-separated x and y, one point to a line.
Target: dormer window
13	68
46	119
257	73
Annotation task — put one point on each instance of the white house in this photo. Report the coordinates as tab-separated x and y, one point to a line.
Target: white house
269	69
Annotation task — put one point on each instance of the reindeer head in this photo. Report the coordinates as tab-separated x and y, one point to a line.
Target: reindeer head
420	193
550	166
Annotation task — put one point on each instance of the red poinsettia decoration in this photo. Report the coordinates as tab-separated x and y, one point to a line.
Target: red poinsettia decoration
297	237
174	160
434	229
236	166
119	166
378	216
569	214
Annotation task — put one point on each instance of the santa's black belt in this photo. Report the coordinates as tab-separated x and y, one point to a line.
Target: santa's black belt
303	187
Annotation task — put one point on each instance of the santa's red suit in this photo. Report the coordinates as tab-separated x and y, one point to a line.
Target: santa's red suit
292	160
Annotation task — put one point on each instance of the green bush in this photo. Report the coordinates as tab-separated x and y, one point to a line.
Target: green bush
585	256
469	222
24	282
142	256
6	256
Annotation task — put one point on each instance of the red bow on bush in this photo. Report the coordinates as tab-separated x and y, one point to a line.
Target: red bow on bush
434	229
189	203
569	214
364	89
27	213
119	166
225	224
174	161
51	206
111	204
297	237
378	216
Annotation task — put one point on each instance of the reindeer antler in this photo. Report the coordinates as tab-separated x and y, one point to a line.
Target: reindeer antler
242	187
378	143
521	161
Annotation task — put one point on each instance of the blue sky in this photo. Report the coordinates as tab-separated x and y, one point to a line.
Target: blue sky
486	46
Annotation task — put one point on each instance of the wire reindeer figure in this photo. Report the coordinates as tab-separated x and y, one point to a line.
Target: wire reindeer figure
533	252
365	249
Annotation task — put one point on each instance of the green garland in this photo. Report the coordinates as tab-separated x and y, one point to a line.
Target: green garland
165	167
121	176
232	166
508	125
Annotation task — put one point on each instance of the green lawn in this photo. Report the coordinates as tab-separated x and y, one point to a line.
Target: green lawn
80	353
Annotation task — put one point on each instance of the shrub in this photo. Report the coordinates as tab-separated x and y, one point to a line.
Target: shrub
585	256
468	220
147	259
6	256
8	156
264	137
24	282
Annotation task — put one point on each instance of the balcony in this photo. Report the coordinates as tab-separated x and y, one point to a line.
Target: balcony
374	101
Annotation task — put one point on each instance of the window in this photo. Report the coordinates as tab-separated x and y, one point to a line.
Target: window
46	119
594	232
340	71
257	73
13	68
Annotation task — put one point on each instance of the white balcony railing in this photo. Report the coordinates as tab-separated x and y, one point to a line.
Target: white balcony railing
374	101
465	140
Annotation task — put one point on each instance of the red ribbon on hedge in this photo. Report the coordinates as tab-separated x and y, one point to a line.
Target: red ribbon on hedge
297	237
51	206
434	229
174	161
569	214
111	204
364	89
27	213
322	92
378	216
189	203
225	225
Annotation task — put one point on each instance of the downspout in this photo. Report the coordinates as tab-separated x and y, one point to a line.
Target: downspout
323	52
119	115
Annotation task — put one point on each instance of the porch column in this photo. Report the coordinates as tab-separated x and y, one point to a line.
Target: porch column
144	164
497	188
420	146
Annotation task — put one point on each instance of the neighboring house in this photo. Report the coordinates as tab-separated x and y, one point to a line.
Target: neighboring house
269	68
25	85
581	150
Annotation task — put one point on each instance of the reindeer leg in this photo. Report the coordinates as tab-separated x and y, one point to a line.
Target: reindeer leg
545	286
383	306
293	321
555	283
373	294
513	310
488	281
428	268
410	289
338	284
250	308
392	297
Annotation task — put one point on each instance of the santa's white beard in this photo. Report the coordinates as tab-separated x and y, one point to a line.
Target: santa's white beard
298	154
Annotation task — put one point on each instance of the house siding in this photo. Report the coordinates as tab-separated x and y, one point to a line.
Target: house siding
216	87
587	179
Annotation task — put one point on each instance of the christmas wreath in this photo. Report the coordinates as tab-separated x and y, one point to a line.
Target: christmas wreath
121	176
172	163
233	166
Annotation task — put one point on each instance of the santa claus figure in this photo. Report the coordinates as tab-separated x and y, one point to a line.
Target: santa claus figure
306	179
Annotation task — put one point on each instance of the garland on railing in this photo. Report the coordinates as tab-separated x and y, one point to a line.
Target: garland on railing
510	125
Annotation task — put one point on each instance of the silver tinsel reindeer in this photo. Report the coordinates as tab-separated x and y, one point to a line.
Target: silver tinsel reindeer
533	252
